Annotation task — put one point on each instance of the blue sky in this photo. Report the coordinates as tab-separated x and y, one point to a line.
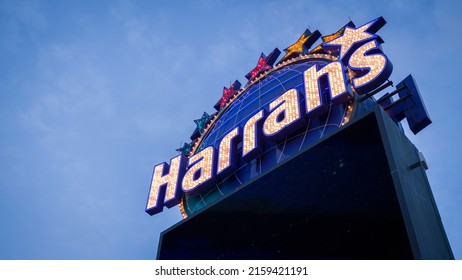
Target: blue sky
93	94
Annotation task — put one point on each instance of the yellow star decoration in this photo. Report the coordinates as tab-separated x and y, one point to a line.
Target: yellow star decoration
331	37
334	36
298	47
351	36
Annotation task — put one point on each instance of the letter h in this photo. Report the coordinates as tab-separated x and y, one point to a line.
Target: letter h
165	188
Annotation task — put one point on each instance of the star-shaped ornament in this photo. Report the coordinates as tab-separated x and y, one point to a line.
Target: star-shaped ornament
339	33
302	45
185	150
227	94
351	36
264	63
326	50
200	123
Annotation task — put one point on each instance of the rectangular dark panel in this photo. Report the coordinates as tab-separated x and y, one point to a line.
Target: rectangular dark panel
336	200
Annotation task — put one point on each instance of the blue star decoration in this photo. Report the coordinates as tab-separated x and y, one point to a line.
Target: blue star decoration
185	150
228	93
302	45
200	123
351	36
264	63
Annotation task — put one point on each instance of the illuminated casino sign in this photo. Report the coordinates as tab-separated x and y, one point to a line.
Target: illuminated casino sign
284	107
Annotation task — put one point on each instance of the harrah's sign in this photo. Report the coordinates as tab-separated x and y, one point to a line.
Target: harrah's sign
356	66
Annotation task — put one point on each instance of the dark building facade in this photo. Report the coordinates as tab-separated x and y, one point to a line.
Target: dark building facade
360	193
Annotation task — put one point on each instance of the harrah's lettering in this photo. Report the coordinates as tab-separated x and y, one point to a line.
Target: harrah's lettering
357	66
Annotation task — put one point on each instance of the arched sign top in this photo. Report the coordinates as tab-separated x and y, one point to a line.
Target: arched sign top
280	111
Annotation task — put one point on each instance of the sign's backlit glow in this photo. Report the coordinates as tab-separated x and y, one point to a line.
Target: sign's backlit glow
352	64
